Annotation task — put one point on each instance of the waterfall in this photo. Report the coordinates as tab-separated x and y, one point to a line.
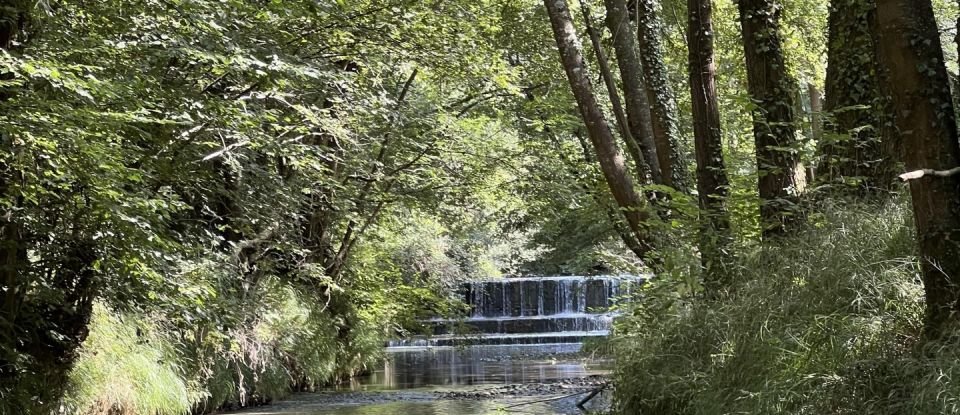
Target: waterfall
544	310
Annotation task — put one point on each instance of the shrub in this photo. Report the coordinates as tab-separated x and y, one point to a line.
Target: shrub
820	322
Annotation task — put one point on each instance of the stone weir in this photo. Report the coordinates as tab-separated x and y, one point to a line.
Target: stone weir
520	311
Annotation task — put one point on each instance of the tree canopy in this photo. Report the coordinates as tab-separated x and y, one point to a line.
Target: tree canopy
256	194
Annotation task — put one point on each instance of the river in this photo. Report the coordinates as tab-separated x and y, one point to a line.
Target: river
524	356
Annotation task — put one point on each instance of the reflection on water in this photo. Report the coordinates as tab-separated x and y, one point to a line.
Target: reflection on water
422	408
408	381
477	365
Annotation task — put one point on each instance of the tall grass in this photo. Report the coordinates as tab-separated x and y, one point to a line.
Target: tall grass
126	367
135	364
823	322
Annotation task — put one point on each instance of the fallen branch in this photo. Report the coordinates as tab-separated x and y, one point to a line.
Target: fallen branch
555	398
916	174
592	394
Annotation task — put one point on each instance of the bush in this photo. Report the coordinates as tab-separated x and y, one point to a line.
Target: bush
825	321
137	364
214	338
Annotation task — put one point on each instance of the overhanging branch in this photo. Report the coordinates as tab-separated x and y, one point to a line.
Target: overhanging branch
916	174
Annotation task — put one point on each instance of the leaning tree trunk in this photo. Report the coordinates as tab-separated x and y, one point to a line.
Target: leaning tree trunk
660	94
634	146
634	87
712	183
909	48
608	154
781	174
853	154
613	214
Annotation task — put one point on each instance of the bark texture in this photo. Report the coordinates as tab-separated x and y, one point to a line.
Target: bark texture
781	174
633	147
854	152
608	154
910	49
712	183
663	108
634	87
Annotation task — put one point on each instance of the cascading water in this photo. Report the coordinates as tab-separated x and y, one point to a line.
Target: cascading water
519	311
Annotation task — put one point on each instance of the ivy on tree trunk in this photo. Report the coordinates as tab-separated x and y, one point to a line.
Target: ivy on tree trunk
661	97
910	50
781	174
853	154
713	186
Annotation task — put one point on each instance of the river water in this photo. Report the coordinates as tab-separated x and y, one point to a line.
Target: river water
521	353
477	380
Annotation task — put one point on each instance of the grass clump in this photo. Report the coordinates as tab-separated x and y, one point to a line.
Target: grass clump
826	321
138	364
126	367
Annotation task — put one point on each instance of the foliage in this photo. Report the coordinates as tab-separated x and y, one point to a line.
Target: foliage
822	323
211	203
213	164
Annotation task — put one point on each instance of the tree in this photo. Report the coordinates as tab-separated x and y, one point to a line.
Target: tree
634	87
910	50
50	329
712	182
637	148
859	128
141	146
781	174
12	251
660	95
608	154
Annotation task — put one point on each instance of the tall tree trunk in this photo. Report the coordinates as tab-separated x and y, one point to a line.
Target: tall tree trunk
781	174
660	94
634	87
633	147
816	124
608	154
909	48
613	214
712	183
816	112
853	154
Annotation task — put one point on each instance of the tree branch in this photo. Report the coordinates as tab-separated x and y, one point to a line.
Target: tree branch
916	174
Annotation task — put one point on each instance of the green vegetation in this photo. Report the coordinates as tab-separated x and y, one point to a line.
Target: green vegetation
207	204
824	322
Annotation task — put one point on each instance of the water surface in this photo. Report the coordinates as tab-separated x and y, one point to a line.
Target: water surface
416	381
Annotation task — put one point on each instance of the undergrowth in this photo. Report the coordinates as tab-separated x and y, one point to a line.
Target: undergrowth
139	364
216	338
822	322
126	367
